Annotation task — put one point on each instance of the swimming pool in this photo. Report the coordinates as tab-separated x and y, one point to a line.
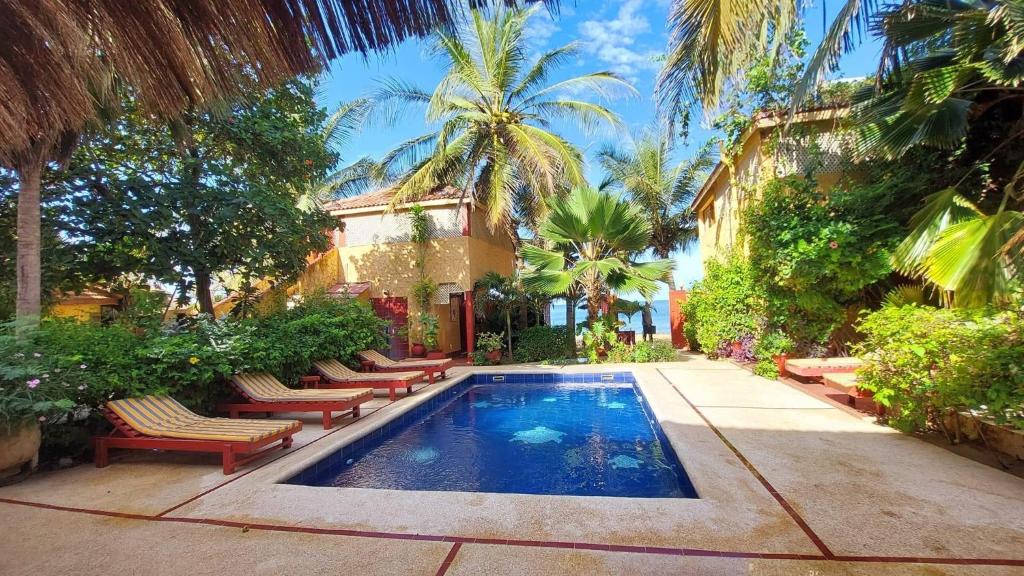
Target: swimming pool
568	434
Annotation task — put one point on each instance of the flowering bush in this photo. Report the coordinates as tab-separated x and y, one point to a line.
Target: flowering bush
29	391
642	352
815	252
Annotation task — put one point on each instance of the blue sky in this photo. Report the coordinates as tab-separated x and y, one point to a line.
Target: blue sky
624	36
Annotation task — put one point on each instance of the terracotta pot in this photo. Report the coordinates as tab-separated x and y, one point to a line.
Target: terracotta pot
418	350
19	450
737	348
493	355
780	363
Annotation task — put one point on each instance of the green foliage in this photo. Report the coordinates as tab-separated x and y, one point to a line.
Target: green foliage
642	352
540	343
598	336
423	291
770	344
921	361
77	367
488	341
204	195
429	329
816	252
726	305
321	327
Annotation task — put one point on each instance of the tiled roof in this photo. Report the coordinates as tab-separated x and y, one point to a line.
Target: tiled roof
348	288
383	197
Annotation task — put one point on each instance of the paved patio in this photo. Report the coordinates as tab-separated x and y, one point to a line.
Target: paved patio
788	485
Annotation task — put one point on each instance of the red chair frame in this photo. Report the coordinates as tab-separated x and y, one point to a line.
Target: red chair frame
323	381
233	453
324	406
441	369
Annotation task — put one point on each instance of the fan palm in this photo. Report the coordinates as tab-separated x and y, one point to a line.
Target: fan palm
493	110
662	189
965	69
594	237
350	179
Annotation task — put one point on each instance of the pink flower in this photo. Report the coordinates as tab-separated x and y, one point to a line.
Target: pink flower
83	366
833	244
42	418
33	383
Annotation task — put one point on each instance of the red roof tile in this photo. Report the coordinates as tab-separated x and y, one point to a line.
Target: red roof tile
383	197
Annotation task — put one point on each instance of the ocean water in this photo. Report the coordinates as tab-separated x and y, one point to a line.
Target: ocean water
660	315
523	438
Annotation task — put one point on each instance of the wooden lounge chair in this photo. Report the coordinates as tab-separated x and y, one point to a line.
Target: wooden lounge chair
264	393
382	363
334	374
815	367
161	423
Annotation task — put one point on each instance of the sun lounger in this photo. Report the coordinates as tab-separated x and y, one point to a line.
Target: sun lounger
815	367
334	374
264	393
382	363
161	423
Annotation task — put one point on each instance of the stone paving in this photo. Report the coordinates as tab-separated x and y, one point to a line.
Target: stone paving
788	484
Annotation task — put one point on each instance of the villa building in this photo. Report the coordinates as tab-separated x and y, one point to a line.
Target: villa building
763	152
374	259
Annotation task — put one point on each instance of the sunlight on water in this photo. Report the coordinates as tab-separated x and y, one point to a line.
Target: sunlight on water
422	455
550	399
482	404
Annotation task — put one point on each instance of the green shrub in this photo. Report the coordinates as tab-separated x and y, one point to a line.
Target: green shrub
921	361
79	366
286	343
642	352
769	344
540	343
816	252
725	306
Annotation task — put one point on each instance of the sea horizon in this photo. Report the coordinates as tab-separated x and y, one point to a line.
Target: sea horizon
660	315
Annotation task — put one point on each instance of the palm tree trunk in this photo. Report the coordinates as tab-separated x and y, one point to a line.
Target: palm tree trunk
671	280
508	330
570	322
29	251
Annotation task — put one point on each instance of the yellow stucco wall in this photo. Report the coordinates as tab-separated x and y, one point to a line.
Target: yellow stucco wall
80	312
391	271
720	210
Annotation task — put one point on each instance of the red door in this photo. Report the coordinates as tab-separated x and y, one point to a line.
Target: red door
396	312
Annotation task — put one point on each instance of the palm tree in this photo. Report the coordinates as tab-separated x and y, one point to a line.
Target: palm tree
601	234
64	57
662	190
493	111
350	179
711	42
506	294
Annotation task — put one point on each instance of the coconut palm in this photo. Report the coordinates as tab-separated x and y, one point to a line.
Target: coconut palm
662	189
61	58
493	110
602	234
711	42
349	179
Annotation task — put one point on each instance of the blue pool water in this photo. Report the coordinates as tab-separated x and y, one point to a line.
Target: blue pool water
533	435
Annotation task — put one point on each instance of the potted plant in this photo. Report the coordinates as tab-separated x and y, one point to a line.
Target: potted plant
29	397
490	344
775	345
429	329
596	340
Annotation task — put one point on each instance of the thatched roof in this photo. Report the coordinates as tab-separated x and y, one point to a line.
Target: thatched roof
58	57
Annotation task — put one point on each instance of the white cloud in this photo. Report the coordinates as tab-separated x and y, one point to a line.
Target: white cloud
614	41
540	27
